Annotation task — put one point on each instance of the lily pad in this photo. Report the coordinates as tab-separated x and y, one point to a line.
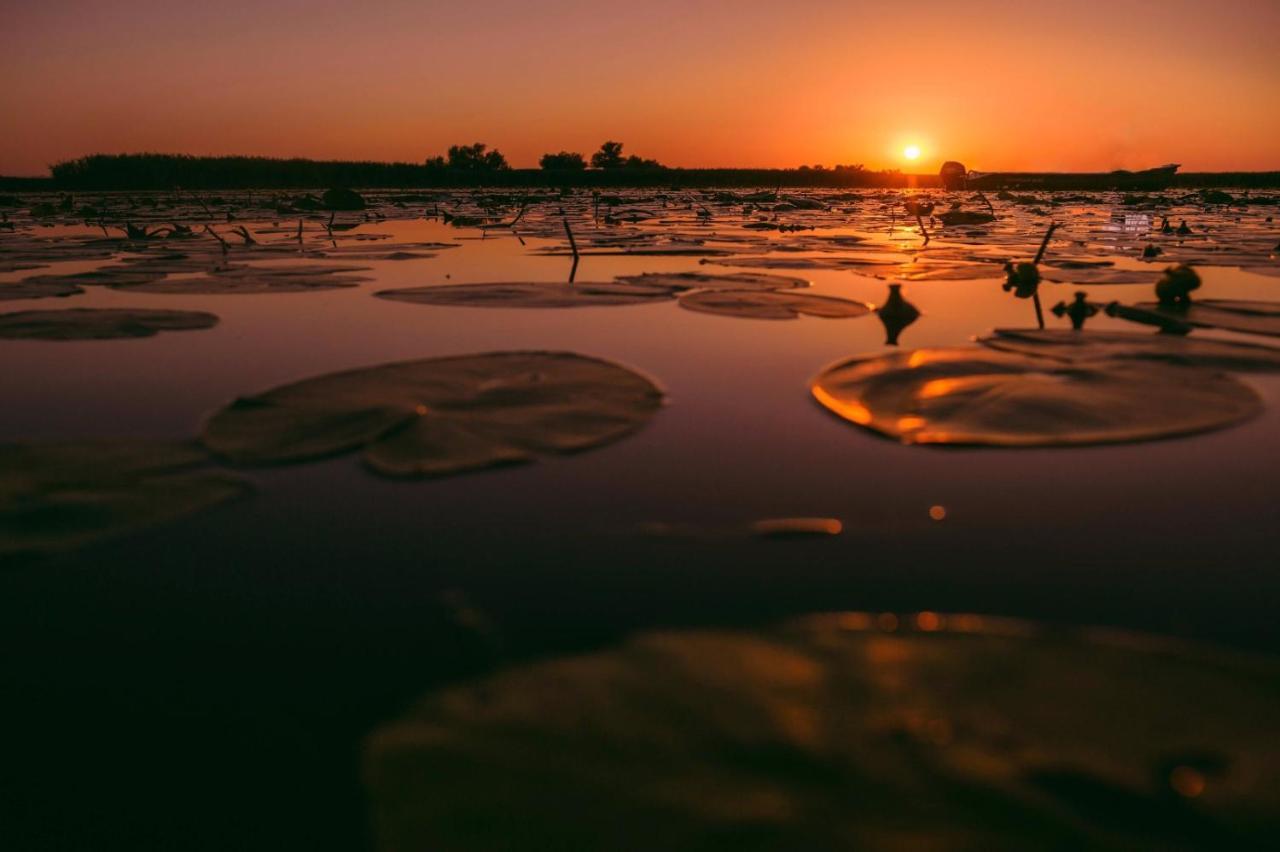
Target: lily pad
440	416
99	323
532	294
969	395
252	280
36	289
1227	314
845	731
58	496
708	281
771	304
1070	345
1098	275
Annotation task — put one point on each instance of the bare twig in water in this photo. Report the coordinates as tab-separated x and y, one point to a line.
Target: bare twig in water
1044	245
923	229
245	235
299	230
217	237
573	245
987	202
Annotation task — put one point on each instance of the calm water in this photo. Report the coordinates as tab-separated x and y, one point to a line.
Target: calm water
233	659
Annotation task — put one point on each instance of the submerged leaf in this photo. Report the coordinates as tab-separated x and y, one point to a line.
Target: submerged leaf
58	496
845	731
1070	345
771	304
532	294
440	416
99	323
978	396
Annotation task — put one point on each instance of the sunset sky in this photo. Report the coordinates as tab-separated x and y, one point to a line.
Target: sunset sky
998	85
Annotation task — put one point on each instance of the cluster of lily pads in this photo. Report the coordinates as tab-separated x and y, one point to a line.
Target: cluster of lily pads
450	415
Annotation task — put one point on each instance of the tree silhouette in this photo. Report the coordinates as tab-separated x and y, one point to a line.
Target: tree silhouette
608	157
476	158
564	161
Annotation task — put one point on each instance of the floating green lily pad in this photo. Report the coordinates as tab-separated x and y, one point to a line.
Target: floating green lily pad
99	323
440	416
1073	345
58	496
846	731
549	294
971	395
771	304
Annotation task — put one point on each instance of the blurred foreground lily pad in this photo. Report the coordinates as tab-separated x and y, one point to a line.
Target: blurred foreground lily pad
970	395
1071	345
58	496
440	416
99	323
844	731
548	294
771	304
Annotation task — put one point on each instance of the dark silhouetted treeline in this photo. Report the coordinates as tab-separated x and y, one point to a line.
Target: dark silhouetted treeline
170	171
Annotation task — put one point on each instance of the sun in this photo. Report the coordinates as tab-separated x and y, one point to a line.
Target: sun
911	152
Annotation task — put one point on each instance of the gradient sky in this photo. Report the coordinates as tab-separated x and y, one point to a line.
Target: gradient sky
1071	84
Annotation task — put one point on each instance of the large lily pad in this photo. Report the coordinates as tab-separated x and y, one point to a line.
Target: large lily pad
1227	314
969	395
708	281
771	304
99	323
58	496
847	731
440	416
1071	345
532	294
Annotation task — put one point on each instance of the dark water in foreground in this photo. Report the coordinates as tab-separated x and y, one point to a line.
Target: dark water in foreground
208	684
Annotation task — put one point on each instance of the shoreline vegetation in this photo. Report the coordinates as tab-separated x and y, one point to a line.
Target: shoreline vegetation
476	166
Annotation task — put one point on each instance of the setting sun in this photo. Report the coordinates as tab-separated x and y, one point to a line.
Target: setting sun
911	152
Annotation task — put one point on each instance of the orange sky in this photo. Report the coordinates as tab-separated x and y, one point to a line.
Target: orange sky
1071	84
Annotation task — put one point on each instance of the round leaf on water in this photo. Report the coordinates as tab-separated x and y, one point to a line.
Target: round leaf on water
532	294
440	416
99	323
1070	345
37	289
707	281
250	280
771	304
845	731
58	496
971	395
1227	314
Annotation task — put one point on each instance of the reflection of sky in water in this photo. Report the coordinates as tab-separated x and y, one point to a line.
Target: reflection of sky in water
1159	533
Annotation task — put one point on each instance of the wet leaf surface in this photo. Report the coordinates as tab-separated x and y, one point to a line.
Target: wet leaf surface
978	396
709	281
1227	314
533	294
850	730
1072	345
99	323
440	416
37	289
59	496
771	304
